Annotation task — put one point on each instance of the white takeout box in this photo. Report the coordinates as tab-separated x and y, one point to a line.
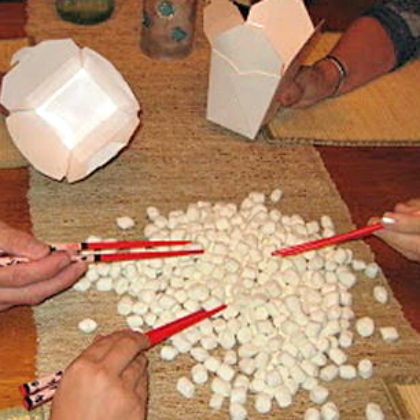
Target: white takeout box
71	111
250	58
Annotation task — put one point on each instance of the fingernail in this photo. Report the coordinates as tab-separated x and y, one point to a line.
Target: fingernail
388	220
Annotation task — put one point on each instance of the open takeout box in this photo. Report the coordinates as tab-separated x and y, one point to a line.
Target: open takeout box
71	111
251	58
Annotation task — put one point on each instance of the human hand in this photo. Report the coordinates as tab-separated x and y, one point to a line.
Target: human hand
311	85
31	283
402	229
108	381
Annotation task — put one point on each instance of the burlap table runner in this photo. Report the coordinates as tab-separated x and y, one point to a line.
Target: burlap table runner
175	159
383	113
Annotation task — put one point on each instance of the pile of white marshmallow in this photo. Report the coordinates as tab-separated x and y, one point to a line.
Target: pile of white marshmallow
288	321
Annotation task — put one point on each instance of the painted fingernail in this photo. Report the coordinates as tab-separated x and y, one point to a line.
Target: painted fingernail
388	220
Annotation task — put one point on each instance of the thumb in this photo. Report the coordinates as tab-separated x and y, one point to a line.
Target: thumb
402	222
411	206
20	243
290	95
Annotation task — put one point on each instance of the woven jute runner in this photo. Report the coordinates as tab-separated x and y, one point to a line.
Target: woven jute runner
177	158
10	156
382	113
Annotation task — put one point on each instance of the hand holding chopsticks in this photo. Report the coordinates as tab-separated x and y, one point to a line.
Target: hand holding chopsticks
42	390
31	271
80	250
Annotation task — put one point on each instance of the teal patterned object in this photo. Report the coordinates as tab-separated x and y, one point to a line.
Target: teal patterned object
178	34
166	9
168	28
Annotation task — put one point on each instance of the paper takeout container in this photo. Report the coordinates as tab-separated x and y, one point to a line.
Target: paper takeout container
71	111
251	58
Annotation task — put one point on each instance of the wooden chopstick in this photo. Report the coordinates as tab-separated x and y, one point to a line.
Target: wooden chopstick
320	243
40	391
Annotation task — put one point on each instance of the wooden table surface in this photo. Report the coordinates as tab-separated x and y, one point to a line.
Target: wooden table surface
370	181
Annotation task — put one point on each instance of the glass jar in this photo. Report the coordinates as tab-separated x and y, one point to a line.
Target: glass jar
168	28
85	12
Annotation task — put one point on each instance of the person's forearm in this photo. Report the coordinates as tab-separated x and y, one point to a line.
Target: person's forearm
366	51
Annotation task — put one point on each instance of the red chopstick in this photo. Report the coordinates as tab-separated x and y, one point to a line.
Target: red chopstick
40	391
162	333
96	246
309	246
118	256
126	256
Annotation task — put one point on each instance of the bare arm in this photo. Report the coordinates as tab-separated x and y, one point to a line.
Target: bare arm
372	46
367	51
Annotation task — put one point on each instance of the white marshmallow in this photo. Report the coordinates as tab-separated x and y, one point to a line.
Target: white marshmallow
276	195
328	373
225	372
238	394
365	326
337	356
372	270
199	374
389	334
319	394
312	414
283	396
88	325
329	411
374	412
230	357
185	387
219	386
125	222
380	294
263	403
365	368
135	322
237	411
83	285
216	401
212	364
347	372
199	354
168	353
125	306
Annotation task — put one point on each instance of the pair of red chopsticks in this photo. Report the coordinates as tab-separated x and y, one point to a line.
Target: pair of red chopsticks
40	391
81	251
320	243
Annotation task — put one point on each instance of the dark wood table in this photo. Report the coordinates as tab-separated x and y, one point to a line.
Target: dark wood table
370	181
